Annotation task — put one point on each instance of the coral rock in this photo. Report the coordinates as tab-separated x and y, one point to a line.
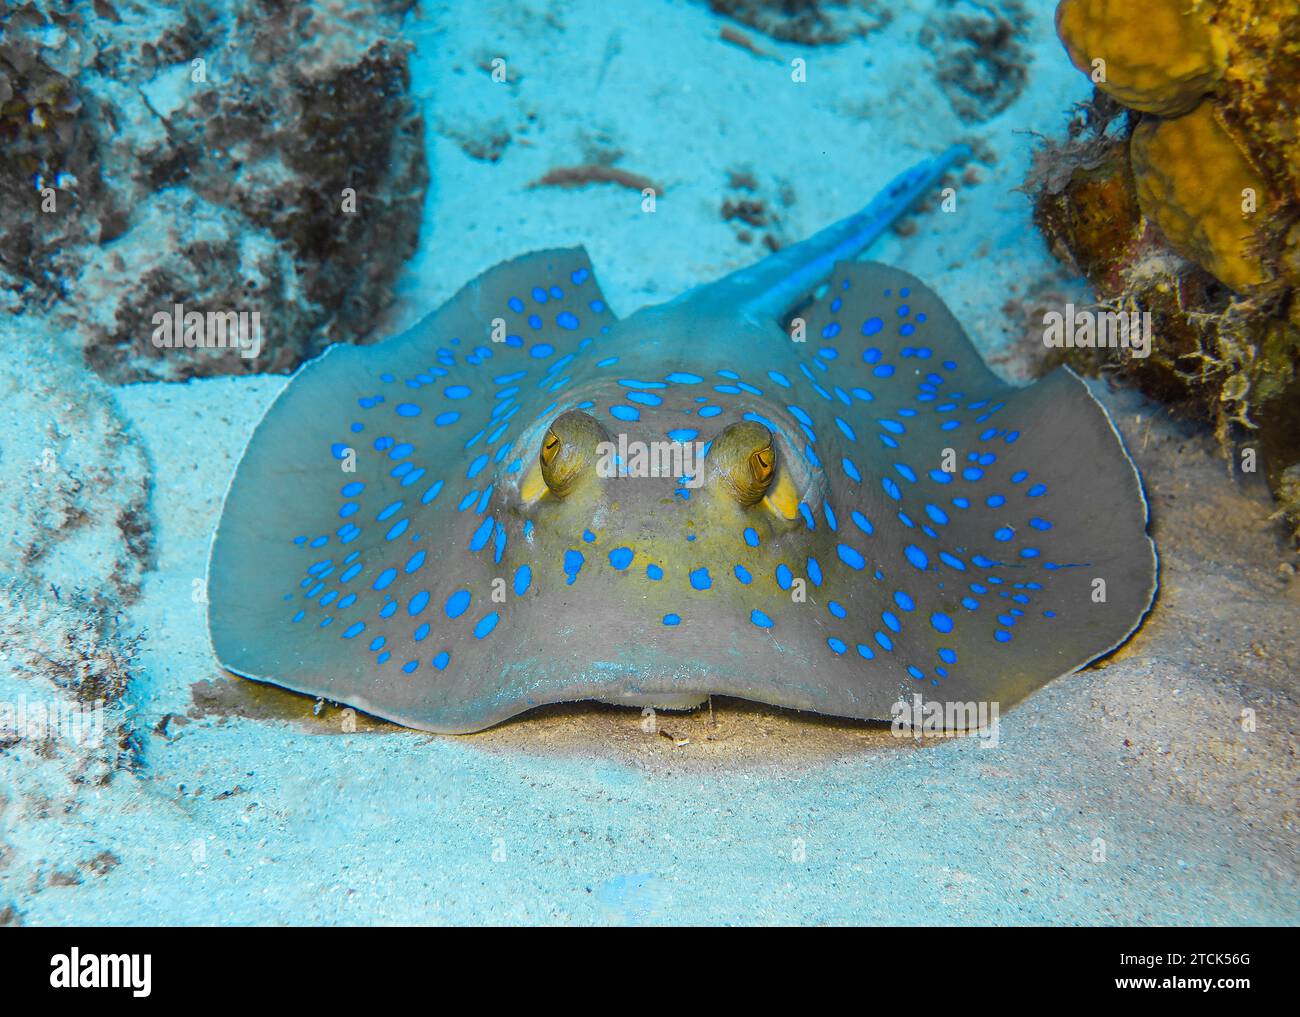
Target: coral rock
1191	181
1092	219
1160	57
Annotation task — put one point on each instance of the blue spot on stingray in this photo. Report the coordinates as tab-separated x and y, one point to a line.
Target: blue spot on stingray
572	564
408	410
871	326
784	577
683	434
447	417
751	536
700	578
916	556
567	320
624	412
744	575
683	378
620	557
760	619
654	572
941	622
523	578
851	556
385	578
457	603
672	619
481	535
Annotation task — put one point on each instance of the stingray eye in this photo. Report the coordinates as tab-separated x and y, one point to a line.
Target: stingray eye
743	459
550	448
569	450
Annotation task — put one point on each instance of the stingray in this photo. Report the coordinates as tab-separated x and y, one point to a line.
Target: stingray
798	485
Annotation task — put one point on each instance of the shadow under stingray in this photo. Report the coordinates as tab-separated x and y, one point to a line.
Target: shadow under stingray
724	732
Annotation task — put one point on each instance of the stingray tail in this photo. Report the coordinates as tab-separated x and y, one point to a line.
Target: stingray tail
770	288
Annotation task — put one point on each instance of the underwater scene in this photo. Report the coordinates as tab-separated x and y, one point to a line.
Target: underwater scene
665	462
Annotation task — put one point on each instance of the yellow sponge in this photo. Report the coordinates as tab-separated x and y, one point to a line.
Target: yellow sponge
1161	56
1196	185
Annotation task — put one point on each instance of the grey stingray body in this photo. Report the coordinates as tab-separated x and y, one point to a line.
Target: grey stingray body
387	542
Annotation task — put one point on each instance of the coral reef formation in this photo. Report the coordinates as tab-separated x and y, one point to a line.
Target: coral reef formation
1172	162
1169	78
1178	192
243	176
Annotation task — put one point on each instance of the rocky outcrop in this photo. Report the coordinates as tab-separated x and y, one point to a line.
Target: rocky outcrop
237	155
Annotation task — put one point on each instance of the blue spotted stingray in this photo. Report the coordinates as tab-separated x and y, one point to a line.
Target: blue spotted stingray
433	529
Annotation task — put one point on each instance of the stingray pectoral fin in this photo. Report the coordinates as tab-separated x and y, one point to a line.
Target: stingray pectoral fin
358	544
989	538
